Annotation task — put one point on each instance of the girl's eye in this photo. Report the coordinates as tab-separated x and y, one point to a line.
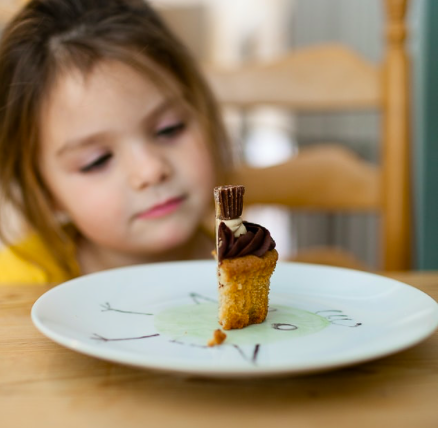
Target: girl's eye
97	164
171	131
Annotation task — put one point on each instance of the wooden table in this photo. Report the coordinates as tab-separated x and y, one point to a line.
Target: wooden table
45	385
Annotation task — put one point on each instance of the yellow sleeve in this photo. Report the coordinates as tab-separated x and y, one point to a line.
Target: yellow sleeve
42	269
15	270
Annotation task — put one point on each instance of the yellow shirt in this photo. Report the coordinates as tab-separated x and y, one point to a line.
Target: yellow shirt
42	269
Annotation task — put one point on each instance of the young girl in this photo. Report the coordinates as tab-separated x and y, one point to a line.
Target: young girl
110	141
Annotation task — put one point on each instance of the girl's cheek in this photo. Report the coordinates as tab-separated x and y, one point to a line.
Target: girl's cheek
99	211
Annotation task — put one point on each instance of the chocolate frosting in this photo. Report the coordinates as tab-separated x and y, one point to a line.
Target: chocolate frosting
256	241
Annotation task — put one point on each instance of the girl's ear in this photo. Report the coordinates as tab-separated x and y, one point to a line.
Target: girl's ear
62	217
59	212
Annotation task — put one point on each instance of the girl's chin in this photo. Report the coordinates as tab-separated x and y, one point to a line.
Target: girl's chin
174	240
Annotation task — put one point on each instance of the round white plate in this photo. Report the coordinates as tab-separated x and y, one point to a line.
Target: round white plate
161	316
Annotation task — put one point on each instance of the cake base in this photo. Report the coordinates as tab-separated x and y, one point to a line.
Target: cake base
244	289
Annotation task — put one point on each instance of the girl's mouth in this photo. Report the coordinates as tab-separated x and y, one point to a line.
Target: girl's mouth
161	210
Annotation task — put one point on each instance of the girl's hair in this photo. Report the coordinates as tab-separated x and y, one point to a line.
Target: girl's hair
49	37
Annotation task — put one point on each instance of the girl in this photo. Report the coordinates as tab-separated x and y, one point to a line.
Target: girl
110	140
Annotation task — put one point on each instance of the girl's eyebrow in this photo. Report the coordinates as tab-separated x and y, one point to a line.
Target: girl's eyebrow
72	145
89	140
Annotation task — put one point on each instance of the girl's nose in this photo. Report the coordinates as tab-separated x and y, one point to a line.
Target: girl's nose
147	168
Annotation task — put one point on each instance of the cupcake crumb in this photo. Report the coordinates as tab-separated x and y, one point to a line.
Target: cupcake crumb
218	338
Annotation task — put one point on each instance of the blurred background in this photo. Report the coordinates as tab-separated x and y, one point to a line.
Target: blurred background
231	33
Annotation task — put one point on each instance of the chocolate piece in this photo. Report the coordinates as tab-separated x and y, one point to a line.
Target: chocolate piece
229	201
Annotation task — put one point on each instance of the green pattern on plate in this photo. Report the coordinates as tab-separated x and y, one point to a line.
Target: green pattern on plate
195	323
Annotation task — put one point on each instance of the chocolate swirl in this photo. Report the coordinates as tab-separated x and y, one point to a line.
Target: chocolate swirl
256	241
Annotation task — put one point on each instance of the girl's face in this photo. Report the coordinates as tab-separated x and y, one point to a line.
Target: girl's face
127	163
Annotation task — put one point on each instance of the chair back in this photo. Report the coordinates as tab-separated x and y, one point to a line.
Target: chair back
329	177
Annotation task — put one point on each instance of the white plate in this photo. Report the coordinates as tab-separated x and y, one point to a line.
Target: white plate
161	316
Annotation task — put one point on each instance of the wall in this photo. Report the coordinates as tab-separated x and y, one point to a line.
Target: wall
425	131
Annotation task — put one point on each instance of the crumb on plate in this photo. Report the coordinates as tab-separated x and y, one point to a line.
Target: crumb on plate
218	337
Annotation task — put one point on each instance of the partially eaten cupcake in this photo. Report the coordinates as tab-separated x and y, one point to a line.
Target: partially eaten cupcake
246	258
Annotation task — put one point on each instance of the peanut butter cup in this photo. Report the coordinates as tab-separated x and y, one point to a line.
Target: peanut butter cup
229	201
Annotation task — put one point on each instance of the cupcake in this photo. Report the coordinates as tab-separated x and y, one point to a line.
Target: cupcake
246	257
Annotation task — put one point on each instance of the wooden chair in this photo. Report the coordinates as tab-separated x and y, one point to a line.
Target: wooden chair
329	178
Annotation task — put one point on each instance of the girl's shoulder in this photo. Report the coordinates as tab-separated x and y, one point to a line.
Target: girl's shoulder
41	268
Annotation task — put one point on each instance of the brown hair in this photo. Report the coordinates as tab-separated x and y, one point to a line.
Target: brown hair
50	36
